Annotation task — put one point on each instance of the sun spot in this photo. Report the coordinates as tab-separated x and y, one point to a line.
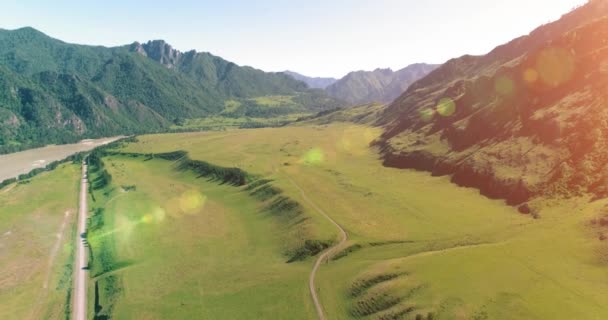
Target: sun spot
555	66
313	156
504	85
191	202
369	135
446	107
147	219
427	114
530	75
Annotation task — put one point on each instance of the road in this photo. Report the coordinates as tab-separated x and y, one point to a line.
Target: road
325	255
80	274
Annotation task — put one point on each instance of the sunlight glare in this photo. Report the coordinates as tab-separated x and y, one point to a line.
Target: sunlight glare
446	107
555	66
504	85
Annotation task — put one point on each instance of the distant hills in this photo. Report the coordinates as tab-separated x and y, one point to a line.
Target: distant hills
316	83
526	119
55	92
380	85
363	87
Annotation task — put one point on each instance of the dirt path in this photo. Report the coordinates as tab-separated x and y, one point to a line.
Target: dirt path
80	274
325	255
9	188
36	310
56	247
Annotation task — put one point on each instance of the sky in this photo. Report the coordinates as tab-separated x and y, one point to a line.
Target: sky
312	37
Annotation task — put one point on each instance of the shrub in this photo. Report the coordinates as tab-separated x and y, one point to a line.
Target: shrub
524	209
310	249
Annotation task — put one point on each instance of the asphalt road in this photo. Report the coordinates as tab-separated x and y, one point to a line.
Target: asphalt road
81	273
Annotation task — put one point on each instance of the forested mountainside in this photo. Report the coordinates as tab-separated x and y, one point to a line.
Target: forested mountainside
528	118
56	92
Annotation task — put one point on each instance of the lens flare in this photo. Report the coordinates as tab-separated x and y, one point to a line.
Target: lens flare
355	141
427	114
446	107
369	135
147	219
191	201
530	76
346	143
555	66
314	156
504	85
158	214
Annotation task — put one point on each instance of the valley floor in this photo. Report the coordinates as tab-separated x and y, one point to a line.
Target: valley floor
418	245
37	228
170	242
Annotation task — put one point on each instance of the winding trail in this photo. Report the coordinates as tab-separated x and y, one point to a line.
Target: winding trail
325	255
80	275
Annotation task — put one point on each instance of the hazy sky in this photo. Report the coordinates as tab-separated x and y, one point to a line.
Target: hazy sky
313	37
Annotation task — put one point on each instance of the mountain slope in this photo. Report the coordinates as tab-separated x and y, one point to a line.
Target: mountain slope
55	92
380	85
526	119
316	83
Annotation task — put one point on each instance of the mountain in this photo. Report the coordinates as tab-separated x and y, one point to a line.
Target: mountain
316	83
380	85
529	118
55	92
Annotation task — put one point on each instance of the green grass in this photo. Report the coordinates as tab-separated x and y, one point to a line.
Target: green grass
274	101
35	262
220	123
458	255
183	247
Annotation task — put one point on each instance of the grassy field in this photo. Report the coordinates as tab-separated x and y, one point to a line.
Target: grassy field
169	245
423	246
221	123
37	232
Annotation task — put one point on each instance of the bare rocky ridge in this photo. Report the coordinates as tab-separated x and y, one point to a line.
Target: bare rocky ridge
159	51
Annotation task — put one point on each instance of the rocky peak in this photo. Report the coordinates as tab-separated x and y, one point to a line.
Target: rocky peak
159	51
137	47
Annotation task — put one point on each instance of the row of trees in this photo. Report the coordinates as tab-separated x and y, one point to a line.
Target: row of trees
96	165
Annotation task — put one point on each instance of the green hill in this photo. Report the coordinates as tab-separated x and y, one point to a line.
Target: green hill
528	118
55	92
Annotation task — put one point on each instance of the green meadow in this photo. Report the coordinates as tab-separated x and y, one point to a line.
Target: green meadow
37	234
170	245
222	123
419	247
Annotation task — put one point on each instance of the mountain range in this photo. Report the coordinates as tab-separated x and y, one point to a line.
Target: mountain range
529	118
363	87
312	82
56	92
380	85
